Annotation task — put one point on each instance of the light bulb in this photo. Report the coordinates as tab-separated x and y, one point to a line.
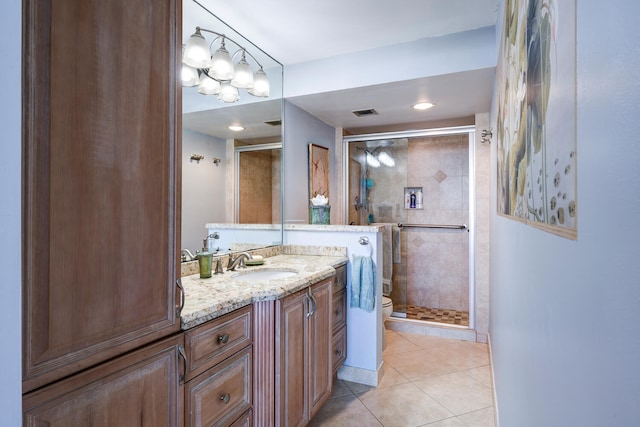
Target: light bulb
208	86
260	84
221	65
189	76
243	76
228	93
196	51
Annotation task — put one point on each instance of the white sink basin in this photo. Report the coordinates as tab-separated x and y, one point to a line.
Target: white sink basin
264	274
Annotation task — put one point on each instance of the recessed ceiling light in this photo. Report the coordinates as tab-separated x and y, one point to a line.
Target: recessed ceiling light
423	105
236	128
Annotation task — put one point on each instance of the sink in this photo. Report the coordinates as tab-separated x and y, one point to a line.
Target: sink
264	274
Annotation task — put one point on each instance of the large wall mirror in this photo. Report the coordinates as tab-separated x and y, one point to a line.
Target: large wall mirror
231	149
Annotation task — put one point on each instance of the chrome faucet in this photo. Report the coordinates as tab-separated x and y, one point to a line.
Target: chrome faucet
238	261
186	255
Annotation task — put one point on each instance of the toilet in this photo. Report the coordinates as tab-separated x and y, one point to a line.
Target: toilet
387	310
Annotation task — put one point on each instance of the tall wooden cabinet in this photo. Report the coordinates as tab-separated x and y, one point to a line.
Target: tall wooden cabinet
101	192
303	371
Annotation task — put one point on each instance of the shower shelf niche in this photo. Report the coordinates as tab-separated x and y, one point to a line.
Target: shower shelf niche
416	201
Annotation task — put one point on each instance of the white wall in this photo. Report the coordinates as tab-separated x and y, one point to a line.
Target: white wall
301	129
203	187
10	231
565	314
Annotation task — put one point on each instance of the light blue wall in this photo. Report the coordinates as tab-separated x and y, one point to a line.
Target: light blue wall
10	237
203	187
301	129
565	314
469	50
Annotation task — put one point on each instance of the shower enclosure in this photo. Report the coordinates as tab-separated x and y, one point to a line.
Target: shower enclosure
418	182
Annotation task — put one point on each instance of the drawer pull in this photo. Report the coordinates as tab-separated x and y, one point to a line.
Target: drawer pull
338	353
338	311
223	339
225	398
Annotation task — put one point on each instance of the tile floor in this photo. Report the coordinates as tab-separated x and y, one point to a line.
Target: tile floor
440	315
428	381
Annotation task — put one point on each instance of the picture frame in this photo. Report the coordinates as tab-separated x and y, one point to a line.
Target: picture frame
318	171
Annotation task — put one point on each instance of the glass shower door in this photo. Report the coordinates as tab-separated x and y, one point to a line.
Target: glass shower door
418	181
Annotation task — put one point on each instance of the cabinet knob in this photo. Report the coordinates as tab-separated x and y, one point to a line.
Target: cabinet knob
338	353
223	339
225	398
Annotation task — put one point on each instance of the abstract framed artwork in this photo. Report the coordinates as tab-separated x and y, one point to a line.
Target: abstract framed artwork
536	115
318	171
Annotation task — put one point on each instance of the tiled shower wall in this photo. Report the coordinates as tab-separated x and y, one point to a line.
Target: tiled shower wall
434	267
438	260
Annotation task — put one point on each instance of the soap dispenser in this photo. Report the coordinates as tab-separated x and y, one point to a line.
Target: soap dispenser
205	259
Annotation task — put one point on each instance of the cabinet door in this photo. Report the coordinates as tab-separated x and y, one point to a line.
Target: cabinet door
291	366
140	389
101	181
319	346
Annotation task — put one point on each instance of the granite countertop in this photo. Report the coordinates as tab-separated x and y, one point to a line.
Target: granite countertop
206	299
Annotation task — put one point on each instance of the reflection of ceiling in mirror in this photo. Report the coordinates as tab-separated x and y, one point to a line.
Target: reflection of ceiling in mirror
251	116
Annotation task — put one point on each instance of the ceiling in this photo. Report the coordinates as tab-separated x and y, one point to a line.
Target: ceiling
295	31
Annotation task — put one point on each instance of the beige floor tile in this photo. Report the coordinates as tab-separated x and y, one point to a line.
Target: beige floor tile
340	389
426	341
392	377
457	392
403	405
345	411
417	365
462	354
397	344
481	374
482	418
449	422
358	388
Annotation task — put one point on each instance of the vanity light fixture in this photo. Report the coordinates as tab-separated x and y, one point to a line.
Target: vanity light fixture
424	106
216	74
236	128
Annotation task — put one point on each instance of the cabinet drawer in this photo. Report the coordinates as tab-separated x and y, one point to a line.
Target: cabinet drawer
341	278
338	349
339	314
220	395
246	420
214	341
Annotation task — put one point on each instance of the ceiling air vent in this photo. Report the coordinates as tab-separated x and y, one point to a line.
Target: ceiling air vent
368	112
274	123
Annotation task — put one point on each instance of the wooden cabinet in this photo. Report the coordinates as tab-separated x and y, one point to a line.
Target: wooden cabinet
303	354
139	389
339	337
219	371
101	182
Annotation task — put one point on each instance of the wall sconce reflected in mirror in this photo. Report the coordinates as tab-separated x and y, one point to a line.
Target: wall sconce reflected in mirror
486	136
196	157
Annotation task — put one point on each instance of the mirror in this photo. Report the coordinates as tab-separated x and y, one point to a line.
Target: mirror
231	177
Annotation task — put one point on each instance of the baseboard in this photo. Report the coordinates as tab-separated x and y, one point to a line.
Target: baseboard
430	328
493	383
361	376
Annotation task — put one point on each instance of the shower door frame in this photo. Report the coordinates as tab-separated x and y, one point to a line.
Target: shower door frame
456	130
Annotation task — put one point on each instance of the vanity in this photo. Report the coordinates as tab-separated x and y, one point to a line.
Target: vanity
261	351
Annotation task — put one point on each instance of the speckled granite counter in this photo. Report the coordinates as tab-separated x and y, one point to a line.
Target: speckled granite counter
206	299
